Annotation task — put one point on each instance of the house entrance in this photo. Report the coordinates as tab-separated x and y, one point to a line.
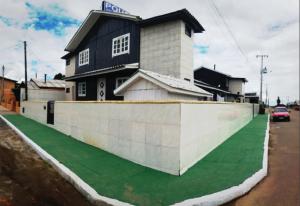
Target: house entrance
101	87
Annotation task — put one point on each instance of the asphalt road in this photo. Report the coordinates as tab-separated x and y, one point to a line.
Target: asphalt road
282	186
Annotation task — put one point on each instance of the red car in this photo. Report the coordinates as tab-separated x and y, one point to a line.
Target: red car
280	113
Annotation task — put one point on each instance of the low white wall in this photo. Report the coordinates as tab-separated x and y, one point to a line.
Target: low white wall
147	134
169	137
205	126
36	110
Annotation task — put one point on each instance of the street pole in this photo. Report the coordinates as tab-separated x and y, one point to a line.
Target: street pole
2	93
261	73
25	64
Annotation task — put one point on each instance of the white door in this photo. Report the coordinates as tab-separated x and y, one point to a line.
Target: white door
101	86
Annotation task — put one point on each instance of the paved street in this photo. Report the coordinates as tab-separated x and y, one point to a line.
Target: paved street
281	186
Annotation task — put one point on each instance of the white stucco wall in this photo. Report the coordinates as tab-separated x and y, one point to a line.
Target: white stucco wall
147	134
144	90
166	49
205	126
46	94
186	54
36	110
71	95
169	137
70	69
237	86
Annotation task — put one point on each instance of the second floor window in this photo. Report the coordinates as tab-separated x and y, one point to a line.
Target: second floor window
81	89
120	45
83	57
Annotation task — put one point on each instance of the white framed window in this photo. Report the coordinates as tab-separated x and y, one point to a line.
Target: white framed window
120	81
84	57
121	45
82	89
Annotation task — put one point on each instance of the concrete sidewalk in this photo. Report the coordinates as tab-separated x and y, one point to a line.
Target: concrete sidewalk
228	165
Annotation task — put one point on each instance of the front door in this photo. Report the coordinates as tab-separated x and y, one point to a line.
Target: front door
101	87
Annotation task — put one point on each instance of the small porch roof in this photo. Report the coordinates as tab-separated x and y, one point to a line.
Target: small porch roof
103	71
168	83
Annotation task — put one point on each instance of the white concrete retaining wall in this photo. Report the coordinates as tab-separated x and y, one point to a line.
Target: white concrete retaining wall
36	110
205	126
167	136
147	134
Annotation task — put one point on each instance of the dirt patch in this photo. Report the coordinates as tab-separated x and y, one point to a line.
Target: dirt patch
25	179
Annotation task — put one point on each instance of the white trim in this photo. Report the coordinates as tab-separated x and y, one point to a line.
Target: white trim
82	55
231	193
120	38
80	90
66	173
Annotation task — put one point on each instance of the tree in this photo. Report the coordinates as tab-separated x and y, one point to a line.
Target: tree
59	76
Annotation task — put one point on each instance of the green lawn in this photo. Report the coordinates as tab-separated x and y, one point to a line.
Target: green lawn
228	165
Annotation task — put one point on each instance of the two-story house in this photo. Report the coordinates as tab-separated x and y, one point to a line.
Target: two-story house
155	53
222	85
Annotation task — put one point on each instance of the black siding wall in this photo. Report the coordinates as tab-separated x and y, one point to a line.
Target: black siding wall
212	78
99	42
91	85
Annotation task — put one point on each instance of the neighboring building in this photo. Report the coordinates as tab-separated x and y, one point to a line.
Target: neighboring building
44	90
109	48
252	97
223	86
7	96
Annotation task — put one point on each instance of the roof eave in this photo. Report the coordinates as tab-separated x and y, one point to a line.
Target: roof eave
88	24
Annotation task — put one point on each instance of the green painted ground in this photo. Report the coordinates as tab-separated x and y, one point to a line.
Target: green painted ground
228	165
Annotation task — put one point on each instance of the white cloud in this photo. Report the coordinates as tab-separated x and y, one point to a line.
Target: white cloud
270	26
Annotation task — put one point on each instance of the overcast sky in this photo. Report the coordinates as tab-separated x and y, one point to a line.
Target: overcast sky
236	31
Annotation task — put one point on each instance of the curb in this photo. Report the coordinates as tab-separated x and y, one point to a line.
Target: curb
234	192
213	199
66	173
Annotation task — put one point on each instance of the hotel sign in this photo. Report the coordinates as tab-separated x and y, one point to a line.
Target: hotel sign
109	7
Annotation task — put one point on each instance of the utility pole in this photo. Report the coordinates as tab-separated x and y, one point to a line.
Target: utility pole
267	96
25	64
262	71
2	93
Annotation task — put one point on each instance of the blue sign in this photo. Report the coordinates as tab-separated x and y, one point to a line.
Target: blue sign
109	7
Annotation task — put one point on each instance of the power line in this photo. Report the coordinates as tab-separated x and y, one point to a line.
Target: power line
228	29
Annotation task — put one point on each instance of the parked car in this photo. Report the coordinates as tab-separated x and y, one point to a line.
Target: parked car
280	113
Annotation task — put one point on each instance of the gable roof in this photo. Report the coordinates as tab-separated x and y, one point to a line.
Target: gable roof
89	22
224	74
7	79
49	84
169	83
182	14
94	15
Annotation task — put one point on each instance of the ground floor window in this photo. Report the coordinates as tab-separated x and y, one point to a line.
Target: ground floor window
120	81
81	89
